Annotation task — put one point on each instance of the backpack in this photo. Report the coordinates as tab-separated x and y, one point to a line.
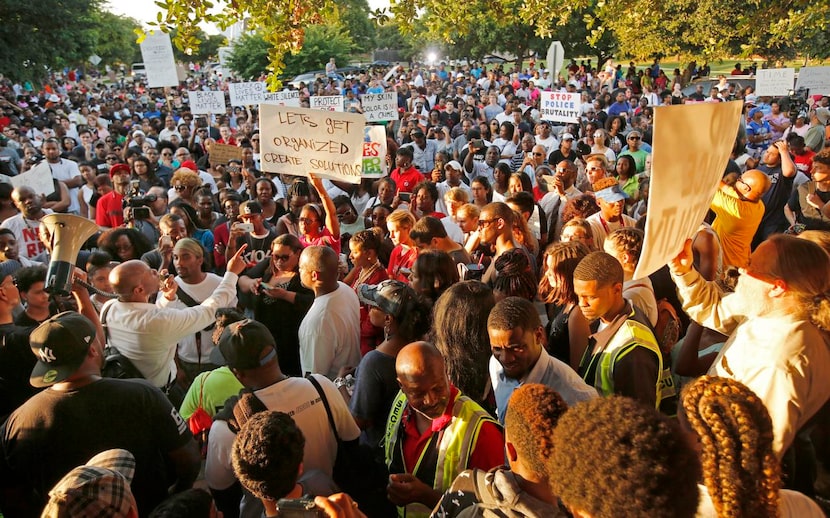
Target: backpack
116	365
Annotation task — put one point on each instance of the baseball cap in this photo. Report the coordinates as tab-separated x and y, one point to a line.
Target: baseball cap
608	189
101	487
60	344
139	132
241	345
390	296
189	164
453	164
567	136
250	207
417	133
119	168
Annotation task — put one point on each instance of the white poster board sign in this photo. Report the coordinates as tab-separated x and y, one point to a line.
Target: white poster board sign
560	106
331	103
39	179
299	141
380	107
774	81
206	102
246	94
678	200
815	79
283	98
157	54
374	152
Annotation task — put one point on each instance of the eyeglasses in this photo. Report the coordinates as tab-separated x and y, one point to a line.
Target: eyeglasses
486	222
741	181
595	169
283	258
167	154
181	187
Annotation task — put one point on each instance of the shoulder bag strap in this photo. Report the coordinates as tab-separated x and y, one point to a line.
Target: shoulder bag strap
319	389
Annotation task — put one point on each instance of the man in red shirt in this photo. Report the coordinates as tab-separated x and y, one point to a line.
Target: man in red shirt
434	433
109	213
406	176
802	155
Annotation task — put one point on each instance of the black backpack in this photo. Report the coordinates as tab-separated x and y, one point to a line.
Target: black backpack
116	365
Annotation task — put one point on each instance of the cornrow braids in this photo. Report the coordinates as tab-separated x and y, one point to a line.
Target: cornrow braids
740	468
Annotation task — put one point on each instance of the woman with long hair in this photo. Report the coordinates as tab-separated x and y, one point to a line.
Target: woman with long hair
614	128
482	192
281	301
627	175
741	473
433	273
568	329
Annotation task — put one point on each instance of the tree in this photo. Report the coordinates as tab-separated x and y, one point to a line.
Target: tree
42	35
249	56
208	49
354	16
114	38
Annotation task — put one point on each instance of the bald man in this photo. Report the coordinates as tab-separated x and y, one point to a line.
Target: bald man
330	332
739	209
147	333
428	404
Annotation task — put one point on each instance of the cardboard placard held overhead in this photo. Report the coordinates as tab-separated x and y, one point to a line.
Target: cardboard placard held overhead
684	178
374	152
774	81
560	106
206	102
299	141
159	64
283	98
815	79
246	94
380	107
224	153
331	103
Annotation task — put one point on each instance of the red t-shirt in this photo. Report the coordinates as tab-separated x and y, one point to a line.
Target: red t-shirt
804	161
401	259
407	180
487	453
110	212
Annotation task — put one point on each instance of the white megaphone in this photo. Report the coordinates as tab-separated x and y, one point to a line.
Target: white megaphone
67	234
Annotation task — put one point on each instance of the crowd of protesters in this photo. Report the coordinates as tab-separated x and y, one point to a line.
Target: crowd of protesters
463	337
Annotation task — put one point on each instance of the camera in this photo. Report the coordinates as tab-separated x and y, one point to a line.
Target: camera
298	508
138	202
797	104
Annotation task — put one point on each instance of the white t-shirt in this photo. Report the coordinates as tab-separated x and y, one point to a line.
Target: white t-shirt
330	333
640	292
298	398
25	231
198	292
67	170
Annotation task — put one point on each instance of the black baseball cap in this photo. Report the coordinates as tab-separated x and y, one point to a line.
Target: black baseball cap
60	344
242	344
390	296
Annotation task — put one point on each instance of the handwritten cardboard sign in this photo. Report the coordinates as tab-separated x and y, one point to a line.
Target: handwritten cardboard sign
159	65
224	153
246	94
299	141
815	79
774	81
560	106
331	103
380	107
684	178
283	98
374	151
206	102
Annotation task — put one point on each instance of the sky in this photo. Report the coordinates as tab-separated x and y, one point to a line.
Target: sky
146	10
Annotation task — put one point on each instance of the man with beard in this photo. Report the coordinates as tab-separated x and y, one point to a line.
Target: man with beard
429	422
776	321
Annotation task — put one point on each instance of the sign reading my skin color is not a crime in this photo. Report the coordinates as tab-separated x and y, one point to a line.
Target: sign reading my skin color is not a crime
299	141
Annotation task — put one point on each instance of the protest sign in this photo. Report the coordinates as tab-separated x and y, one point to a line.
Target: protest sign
246	94
299	141
774	81
560	106
380	107
206	102
374	151
39	179
815	79
684	178
284	98
331	103
224	153
159	65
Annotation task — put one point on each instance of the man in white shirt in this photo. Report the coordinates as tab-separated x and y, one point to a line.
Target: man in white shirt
330	332
26	224
564	189
65	171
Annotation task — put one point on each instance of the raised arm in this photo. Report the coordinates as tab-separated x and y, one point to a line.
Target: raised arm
332	223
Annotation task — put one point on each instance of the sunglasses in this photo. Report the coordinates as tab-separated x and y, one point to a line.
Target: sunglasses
633	138
283	258
180	187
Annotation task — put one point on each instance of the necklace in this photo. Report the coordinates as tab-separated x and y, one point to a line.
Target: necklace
365	274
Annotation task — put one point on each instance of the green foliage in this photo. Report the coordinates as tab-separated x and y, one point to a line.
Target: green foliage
208	49
354	16
114	41
249	56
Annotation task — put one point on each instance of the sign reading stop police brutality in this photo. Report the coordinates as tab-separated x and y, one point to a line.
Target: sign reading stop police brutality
206	102
560	106
332	103
300	141
380	107
684	178
374	151
245	94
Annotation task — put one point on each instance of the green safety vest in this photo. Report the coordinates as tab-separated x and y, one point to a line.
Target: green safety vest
454	449
630	335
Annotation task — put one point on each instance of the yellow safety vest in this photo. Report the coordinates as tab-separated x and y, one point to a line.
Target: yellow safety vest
456	444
